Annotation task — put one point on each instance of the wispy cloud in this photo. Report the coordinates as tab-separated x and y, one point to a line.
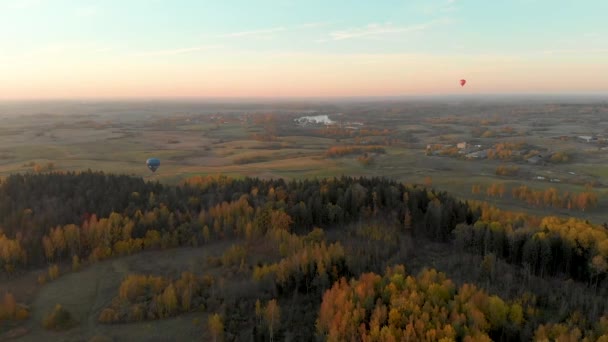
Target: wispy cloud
256	33
313	25
377	30
177	51
269	32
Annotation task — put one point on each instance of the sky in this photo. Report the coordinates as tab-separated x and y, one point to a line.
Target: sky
288	48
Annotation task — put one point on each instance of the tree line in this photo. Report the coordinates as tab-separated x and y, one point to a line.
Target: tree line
548	198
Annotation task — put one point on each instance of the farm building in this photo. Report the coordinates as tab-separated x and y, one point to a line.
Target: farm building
586	138
535	159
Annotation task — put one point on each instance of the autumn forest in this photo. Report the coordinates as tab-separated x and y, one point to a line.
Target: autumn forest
313	259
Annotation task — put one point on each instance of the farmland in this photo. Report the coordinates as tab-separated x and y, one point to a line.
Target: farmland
263	140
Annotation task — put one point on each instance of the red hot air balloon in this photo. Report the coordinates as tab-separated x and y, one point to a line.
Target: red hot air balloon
463	82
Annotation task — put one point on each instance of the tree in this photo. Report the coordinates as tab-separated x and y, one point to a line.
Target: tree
49	249
11	253
280	220
428	181
169	300
58	240
272	315
8	306
53	272
258	312
516	314
75	263
58	319
598	267
488	266
216	326
407	221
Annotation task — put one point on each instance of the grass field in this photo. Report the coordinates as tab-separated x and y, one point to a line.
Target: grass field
200	145
84	294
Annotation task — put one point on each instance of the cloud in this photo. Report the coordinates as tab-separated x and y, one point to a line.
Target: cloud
377	30
267	32
313	25
254	33
177	51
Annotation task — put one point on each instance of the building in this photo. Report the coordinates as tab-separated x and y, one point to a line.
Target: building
586	138
467	150
478	155
535	159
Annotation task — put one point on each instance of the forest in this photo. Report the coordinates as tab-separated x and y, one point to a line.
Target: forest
314	259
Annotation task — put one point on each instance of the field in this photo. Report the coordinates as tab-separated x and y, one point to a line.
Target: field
86	293
264	141
410	142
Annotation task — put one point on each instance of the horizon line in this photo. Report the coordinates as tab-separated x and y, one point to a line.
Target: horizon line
303	97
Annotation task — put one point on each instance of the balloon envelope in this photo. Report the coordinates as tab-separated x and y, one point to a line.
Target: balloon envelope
153	164
463	82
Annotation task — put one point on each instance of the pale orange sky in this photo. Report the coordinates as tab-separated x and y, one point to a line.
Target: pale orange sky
277	48
288	75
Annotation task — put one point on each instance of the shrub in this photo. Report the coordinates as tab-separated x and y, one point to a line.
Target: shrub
58	319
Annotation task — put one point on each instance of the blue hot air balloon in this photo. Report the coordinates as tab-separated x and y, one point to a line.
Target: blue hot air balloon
153	164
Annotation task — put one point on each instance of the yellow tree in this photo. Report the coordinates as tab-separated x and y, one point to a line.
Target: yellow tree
501	190
428	181
53	272
11	253
216	326
169	298
280	220
272	315
49	249
8	307
72	238
58	239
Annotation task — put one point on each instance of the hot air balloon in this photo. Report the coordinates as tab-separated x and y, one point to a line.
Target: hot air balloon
153	164
463	82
